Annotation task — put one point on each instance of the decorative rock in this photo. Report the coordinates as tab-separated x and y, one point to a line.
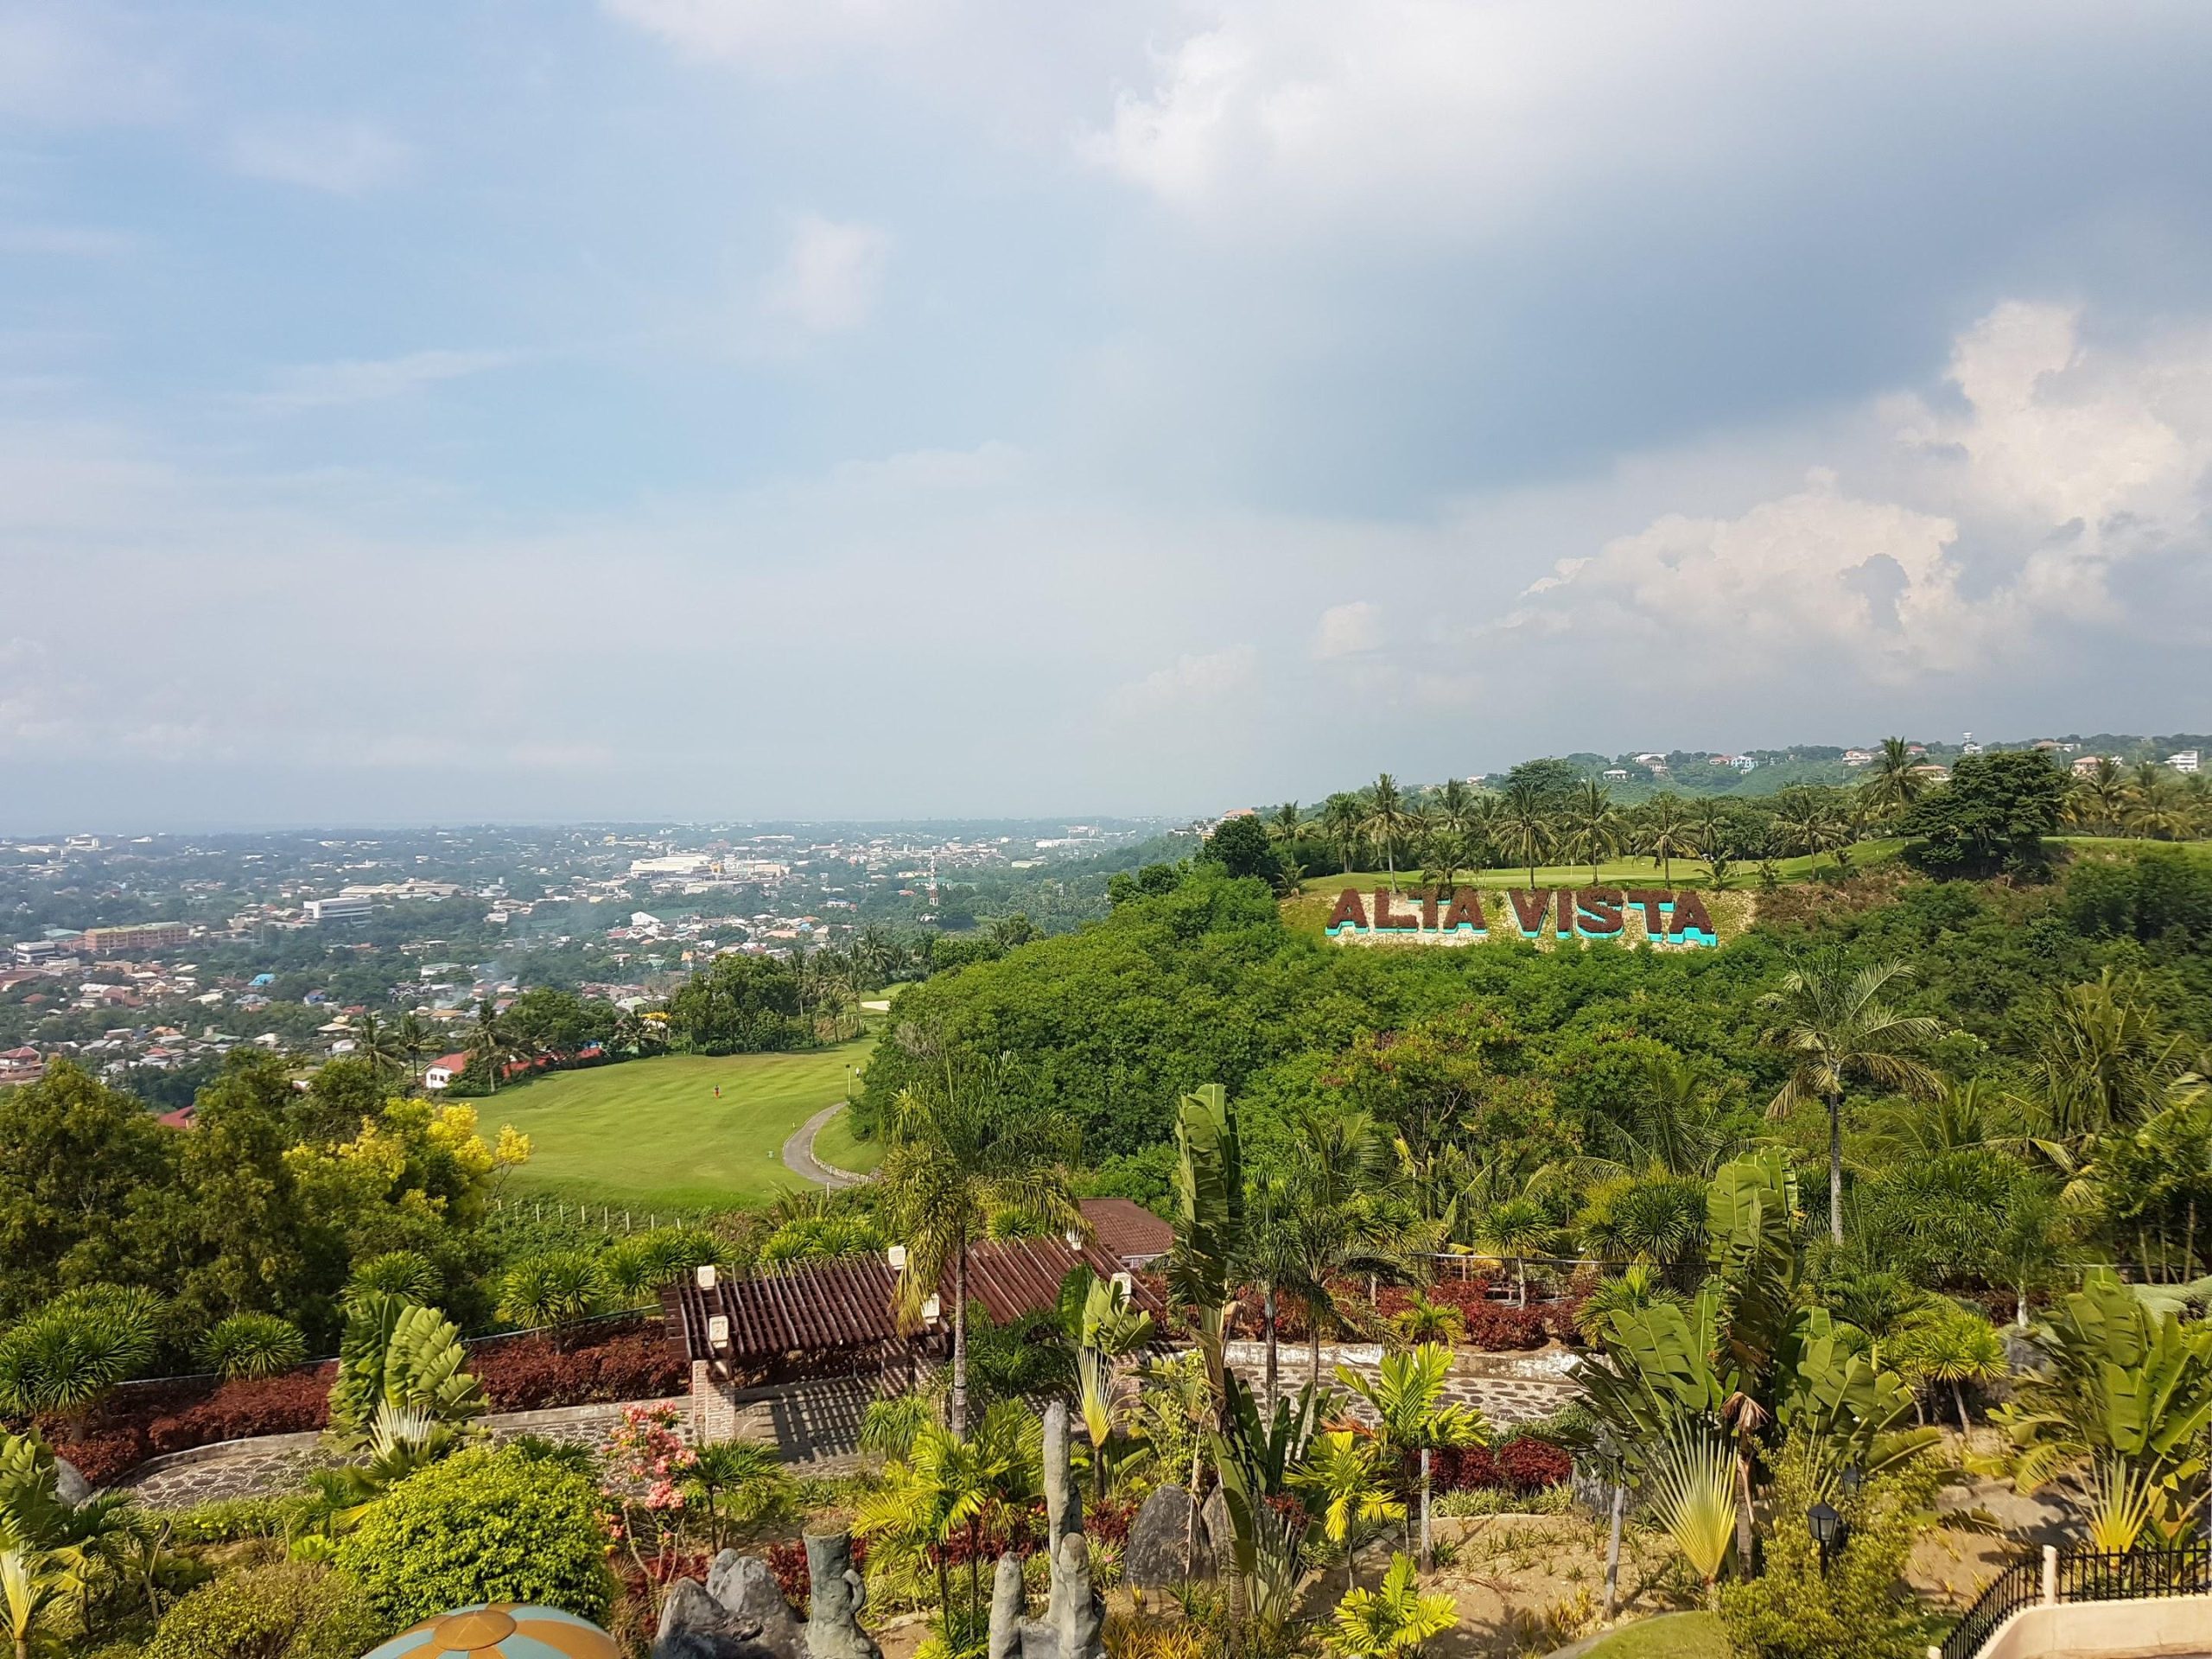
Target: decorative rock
1079	1614
1063	1503
1008	1601
1153	1557
70	1486
694	1625
833	1628
744	1585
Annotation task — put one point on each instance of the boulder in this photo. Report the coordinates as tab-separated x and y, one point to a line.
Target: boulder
1153	1557
743	1586
70	1486
694	1625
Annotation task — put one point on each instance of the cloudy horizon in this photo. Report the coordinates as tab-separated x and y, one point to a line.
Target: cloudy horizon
703	409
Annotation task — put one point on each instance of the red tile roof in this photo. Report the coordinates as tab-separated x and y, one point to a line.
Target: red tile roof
852	1304
1126	1230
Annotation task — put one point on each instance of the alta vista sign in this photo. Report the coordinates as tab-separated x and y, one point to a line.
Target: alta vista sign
1428	915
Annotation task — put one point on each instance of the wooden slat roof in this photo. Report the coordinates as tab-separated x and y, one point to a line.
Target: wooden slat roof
818	1307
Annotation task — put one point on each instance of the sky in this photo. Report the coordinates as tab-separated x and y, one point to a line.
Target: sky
481	410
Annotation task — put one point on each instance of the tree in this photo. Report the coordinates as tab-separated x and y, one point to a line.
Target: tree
1386	820
738	1483
1413	1417
1342	1484
76	1161
1894	782
2097	797
1593	826
379	1045
1523	825
1341	818
961	1146
1241	846
1836	1025
950	1488
399	1359
490	1045
64	1359
1945	1344
1282	827
1664	833
558	1288
1516	1228
1992	815
416	1042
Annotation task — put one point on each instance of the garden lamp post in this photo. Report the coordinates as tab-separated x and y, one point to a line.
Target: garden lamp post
1826	1525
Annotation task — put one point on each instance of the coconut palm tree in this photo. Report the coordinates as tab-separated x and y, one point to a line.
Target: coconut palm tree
416	1043
1835	1026
1386	819
1522	826
1341	818
960	1148
1892	784
2097	797
490	1042
1282	828
1413	1417
380	1046
1665	833
1341	1221
1593	826
1516	1228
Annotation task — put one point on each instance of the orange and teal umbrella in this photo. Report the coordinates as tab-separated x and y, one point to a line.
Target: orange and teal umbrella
502	1630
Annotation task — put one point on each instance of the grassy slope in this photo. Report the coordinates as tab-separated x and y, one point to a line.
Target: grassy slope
835	1147
1628	872
650	1133
1671	1635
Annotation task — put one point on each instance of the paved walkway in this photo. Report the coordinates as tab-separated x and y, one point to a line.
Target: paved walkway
798	1153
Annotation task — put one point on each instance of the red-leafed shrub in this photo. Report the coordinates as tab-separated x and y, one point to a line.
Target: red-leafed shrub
1525	1464
1500	1330
1110	1523
787	1560
101	1458
291	1404
1530	1464
531	1374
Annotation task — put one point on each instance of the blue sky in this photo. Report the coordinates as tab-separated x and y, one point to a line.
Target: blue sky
881	407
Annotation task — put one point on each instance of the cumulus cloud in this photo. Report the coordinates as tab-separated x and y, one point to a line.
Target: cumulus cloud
831	276
2064	463
344	158
1348	630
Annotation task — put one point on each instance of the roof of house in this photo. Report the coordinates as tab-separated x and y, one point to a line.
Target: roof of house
818	1305
449	1062
1126	1230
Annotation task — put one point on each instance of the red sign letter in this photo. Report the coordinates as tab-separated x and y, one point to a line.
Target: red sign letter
1349	912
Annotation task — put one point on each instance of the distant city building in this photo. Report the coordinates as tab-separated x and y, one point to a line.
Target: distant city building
142	936
1615	774
2184	761
1858	758
351	912
675	865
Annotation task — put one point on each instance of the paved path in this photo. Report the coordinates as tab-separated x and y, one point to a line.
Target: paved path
798	1153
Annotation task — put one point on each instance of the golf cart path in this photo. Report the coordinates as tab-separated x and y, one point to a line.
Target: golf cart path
798	1153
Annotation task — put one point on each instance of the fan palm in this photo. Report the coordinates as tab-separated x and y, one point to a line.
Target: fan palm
946	1489
1835	1026
1692	1482
960	1147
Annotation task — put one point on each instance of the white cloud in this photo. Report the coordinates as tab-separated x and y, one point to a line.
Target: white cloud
831	277
344	158
325	385
1348	630
2065	463
1190	685
67	241
741	30
80	63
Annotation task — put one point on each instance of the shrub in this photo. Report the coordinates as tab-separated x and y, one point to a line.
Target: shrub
253	1345
483	1525
531	1374
1526	1463
233	1520
1501	1330
556	1288
292	1611
290	1404
405	1274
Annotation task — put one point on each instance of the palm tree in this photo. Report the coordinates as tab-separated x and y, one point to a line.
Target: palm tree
1514	1228
739	1481
1522	825
947	1489
1341	818
380	1046
417	1042
1386	820
1593	826
490	1043
1664	833
1393	1620
559	1289
1341	1222
1107	1331
1892	784
29	1586
1945	1344
1342	1486
2099	796
1412	1415
1282	828
1810	821
960	1148
1835	1025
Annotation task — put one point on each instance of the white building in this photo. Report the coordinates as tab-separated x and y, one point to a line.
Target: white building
2183	760
350	911
1857	757
444	1071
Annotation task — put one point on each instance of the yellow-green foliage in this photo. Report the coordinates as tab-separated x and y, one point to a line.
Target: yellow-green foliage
286	1612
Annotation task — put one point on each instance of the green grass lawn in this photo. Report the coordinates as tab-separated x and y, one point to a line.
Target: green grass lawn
835	1147
651	1133
1627	873
1671	1635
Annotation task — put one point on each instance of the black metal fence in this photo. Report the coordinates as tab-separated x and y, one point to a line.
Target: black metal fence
2081	1576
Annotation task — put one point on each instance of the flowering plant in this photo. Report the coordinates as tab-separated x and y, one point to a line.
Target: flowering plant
648	1458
